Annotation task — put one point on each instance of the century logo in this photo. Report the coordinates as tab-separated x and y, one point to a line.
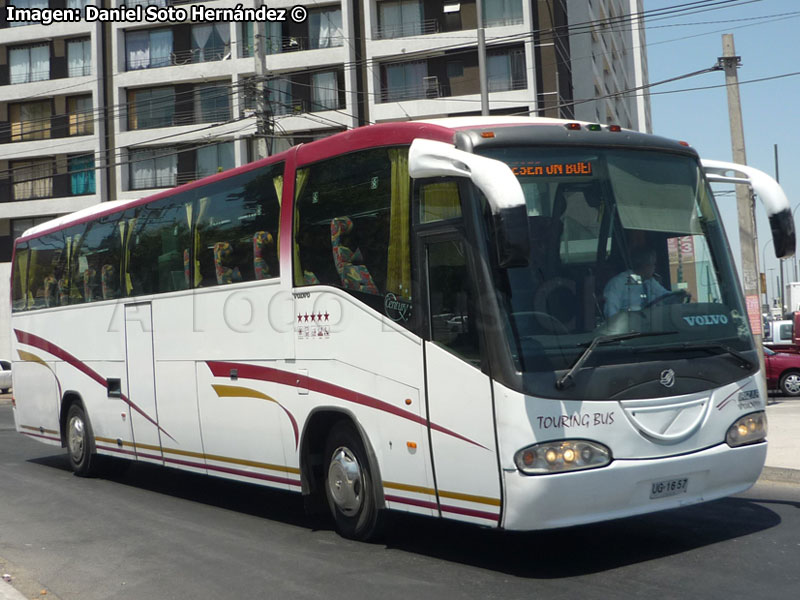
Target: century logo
704	320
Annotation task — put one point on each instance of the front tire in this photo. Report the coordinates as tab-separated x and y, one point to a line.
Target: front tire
790	383
349	486
80	442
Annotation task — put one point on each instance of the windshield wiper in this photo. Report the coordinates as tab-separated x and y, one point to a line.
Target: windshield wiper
566	379
746	362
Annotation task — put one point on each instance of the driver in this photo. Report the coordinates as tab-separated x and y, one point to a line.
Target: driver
634	288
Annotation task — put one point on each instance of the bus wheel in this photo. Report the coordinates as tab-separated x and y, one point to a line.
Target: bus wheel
349	486
80	442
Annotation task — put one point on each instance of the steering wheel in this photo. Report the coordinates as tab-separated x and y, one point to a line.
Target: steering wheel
685	298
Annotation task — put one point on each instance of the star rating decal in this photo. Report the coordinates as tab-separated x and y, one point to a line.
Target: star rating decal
313	317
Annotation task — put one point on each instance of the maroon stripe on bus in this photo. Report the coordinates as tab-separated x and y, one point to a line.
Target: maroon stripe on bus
467	512
41	343
223	369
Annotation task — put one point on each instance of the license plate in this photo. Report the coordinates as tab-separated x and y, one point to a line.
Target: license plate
668	487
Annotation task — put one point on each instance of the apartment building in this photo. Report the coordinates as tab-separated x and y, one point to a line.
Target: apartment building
96	111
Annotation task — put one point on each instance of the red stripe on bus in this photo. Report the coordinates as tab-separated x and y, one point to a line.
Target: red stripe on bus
39	435
34	340
467	512
199	465
223	369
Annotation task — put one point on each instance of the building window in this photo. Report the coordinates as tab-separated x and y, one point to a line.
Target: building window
215	159
404	81
29	63
280	96
79	58
507	70
81	174
20	226
81	118
26	4
81	4
275	41
399	19
30	120
153	168
325	28
324	91
213	103
151	107
211	42
247	46
148	49
32	179
502	12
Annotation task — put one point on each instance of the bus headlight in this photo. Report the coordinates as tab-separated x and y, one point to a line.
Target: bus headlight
748	429
561	456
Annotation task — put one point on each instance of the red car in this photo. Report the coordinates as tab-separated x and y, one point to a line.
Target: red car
783	372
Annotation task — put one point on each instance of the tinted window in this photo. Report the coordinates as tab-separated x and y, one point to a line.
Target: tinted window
352	227
95	268
237	228
49	272
158	241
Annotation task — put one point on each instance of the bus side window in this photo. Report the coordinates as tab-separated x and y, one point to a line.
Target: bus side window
452	309
161	231
352	228
236	228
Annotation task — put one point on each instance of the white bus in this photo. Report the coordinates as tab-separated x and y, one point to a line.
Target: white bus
413	316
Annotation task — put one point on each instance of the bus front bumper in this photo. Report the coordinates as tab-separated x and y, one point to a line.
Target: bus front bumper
629	487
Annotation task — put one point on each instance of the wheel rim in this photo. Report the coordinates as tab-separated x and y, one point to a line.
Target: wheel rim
76	438
792	383
345	481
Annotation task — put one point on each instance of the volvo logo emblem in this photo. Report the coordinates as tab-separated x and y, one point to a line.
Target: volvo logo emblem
667	378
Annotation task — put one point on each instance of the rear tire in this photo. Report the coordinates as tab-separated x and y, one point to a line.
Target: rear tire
80	443
790	383
349	486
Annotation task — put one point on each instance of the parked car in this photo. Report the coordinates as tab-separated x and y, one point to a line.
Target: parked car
783	371
5	376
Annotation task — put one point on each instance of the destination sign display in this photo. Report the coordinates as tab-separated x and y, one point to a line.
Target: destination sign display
560	168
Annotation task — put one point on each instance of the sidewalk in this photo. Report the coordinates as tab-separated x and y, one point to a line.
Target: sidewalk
783	436
7	592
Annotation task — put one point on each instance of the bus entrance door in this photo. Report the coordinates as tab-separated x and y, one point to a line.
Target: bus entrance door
141	382
459	393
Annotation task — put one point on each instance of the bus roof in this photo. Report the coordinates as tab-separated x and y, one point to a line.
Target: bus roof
381	134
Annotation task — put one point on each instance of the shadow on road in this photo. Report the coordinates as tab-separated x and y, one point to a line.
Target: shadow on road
550	554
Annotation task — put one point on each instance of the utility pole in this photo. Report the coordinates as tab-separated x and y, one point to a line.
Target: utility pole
262	110
783	282
482	59
744	196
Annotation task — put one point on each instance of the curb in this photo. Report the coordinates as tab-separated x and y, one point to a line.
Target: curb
780	475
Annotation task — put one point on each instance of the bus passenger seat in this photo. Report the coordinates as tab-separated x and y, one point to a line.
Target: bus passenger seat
50	291
223	251
261	240
350	264
89	283
109	282
187	267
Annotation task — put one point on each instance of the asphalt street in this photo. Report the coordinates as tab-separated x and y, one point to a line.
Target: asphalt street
156	533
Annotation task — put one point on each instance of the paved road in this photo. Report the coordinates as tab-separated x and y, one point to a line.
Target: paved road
153	533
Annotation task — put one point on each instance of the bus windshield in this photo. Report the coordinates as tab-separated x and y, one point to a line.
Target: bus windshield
622	241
